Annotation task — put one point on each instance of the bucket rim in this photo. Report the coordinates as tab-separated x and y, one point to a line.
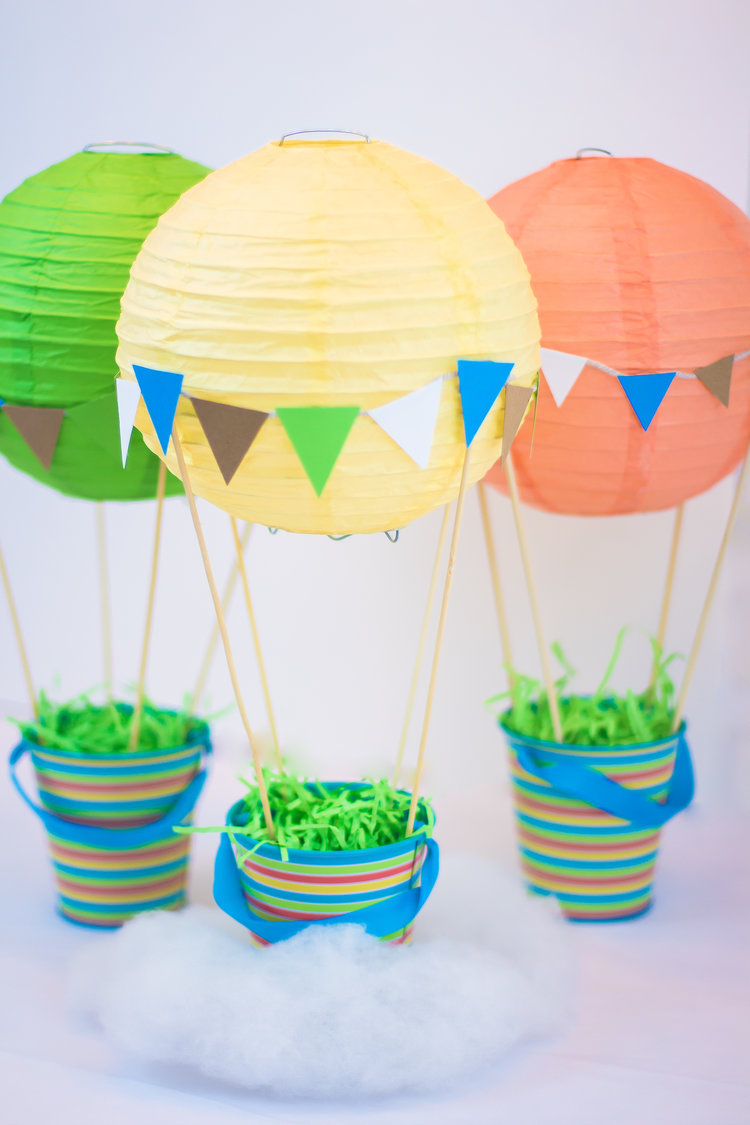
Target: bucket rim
423	830
556	747
199	737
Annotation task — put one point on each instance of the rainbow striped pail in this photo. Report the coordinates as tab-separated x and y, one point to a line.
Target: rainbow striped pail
109	821
589	817
277	892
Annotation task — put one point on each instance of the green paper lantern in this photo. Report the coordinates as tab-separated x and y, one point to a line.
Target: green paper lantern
68	237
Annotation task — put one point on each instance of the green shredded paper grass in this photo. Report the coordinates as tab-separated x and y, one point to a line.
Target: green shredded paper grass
314	817
604	718
83	727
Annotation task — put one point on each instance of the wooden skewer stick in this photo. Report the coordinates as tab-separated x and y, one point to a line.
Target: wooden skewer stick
106	609
214	638
712	586
19	639
549	683
422	644
438	642
667	599
135	725
256	642
502	619
257	766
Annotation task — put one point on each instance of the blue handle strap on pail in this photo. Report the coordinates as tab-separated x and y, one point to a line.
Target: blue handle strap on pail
113	839
583	783
381	920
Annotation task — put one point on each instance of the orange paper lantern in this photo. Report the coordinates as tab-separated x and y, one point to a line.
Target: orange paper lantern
646	270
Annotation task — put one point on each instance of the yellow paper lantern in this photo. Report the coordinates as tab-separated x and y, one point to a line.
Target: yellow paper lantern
329	273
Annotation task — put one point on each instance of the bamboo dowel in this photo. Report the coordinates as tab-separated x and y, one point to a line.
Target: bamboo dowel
667	599
712	586
19	639
497	589
257	765
256	642
135	726
549	683
226	599
533	424
104	598
422	644
448	581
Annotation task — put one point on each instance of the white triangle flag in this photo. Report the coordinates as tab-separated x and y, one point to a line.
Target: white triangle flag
128	397
561	369
410	421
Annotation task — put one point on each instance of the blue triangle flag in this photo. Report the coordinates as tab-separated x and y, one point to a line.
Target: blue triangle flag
161	392
480	381
645	393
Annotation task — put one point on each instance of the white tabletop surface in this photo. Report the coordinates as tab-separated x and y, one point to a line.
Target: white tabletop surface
660	1034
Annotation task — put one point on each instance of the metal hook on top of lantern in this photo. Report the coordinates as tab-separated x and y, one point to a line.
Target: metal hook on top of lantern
142	146
337	393
308	132
644	304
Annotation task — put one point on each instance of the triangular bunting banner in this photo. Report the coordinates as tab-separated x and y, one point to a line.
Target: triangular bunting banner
516	401
39	426
318	434
229	430
128	397
717	377
410	421
561	370
161	392
480	381
645	393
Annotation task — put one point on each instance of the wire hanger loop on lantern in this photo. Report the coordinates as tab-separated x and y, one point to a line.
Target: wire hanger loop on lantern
348	132
391	536
603	151
126	144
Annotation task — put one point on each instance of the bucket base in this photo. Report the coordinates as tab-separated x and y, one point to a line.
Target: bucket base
106	924
587	919
402	937
571	915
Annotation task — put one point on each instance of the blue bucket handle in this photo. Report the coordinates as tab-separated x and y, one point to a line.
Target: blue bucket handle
583	783
113	839
381	920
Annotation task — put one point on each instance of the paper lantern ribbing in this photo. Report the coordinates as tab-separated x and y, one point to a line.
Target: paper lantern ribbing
68	237
645	270
328	274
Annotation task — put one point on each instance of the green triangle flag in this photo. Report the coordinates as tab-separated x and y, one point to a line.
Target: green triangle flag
318	434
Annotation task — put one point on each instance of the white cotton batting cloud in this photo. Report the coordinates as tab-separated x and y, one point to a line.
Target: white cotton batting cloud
332	1013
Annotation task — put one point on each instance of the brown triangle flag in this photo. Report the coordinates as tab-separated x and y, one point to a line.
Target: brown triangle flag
717	377
229	430
516	401
39	426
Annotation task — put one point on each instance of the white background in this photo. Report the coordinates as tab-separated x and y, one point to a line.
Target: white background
492	91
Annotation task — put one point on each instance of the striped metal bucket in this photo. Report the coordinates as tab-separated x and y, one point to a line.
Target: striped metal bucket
588	819
277	892
110	819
